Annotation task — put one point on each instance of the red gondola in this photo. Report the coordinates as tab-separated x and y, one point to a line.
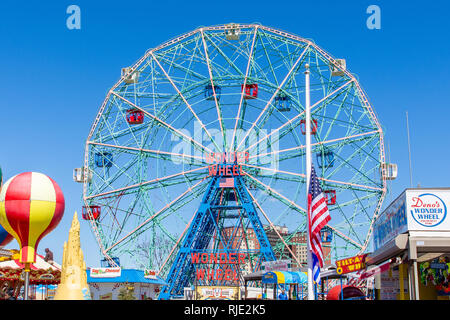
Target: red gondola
313	126
251	90
135	116
330	195
95	210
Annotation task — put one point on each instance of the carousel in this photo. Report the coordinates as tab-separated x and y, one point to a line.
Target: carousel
45	274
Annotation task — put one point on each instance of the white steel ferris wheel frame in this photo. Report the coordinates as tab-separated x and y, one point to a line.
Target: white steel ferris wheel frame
151	54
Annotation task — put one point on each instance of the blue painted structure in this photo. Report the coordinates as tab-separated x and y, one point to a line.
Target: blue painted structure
208	222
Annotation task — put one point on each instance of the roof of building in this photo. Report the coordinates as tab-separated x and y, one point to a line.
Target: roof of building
126	275
12	261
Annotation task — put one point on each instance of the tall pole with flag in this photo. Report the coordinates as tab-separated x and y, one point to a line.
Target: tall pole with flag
318	217
317	210
308	178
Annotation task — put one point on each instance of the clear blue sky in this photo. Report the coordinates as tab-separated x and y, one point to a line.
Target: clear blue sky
55	79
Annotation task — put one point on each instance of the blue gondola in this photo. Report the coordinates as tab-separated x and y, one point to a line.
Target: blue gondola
104	263
326	234
209	92
283	103
325	159
103	159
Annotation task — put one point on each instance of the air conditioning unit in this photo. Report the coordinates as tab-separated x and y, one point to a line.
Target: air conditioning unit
389	171
338	70
78	175
232	32
130	77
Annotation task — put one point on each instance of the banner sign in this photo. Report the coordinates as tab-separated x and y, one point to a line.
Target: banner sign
218	266
150	274
427	210
105	272
413	210
217	293
278	265
390	223
378	269
351	264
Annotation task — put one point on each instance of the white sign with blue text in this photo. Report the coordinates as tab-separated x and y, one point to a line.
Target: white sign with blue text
413	210
428	210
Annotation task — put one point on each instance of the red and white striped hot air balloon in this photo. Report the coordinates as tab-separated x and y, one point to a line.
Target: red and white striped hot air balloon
31	205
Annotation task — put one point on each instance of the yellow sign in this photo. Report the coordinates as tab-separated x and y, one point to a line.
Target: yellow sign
351	264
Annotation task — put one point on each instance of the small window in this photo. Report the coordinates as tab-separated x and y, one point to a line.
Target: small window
250	90
135	116
95	212
103	159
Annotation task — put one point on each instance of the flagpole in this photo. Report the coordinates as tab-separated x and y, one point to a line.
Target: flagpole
308	179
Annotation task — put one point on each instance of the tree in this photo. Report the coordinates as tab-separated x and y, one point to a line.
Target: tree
153	252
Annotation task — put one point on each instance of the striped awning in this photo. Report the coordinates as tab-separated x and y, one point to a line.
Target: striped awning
288	277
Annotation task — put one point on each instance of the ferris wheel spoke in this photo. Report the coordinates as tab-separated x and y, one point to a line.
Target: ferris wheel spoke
109	129
290	121
300	177
189	192
274	95
348	224
346	162
231	63
375	216
266	55
219	111
187	71
178	132
175	246
163	154
185	101
334	119
239	116
360	199
267	189
150	189
284	57
273	227
344	237
146	183
122	170
279	156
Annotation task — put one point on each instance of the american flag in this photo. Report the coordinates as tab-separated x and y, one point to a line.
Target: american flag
318	217
226	183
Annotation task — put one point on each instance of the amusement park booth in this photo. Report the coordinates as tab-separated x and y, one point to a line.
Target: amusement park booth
292	282
342	286
105	283
412	246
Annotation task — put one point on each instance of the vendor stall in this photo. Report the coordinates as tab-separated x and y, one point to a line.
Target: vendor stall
412	238
105	283
295	280
292	279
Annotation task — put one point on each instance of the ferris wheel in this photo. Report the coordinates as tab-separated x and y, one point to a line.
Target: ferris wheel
220	93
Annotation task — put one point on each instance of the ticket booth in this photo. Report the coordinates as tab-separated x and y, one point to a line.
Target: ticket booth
412	237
